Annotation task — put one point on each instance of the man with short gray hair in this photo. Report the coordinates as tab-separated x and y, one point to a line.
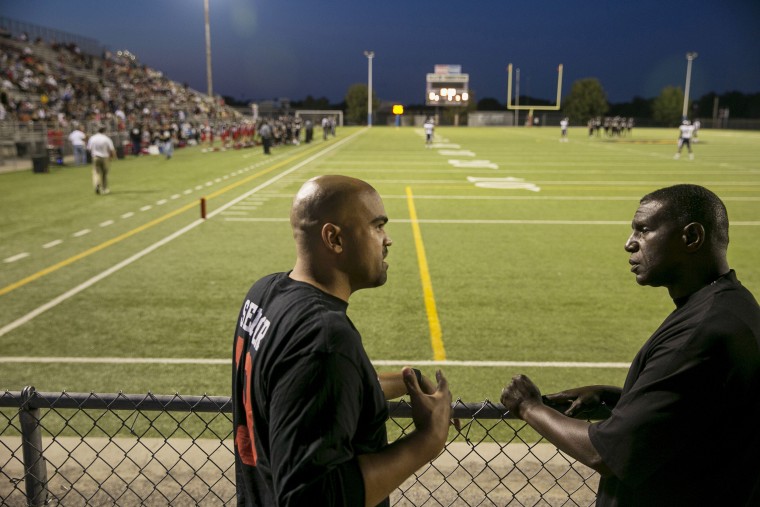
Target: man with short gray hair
102	150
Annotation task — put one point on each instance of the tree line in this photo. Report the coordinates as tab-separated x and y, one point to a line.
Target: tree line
587	99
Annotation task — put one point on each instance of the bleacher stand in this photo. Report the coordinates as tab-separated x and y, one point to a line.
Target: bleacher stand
47	86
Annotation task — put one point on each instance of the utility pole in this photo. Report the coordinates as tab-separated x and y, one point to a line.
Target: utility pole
208	50
689	58
370	55
517	98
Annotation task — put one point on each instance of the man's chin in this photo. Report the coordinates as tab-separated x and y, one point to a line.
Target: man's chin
641	279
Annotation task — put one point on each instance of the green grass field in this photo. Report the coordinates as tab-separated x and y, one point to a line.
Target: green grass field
517	275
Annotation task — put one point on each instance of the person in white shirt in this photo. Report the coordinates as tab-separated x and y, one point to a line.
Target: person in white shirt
77	139
686	130
102	150
325	128
563	127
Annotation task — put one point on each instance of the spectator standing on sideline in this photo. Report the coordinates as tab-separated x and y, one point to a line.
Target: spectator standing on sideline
563	128
309	126
309	409
167	142
429	127
77	138
266	137
101	148
683	429
325	128
135	137
684	138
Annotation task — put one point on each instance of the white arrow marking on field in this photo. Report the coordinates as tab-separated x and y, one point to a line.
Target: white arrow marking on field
504	183
457	153
473	164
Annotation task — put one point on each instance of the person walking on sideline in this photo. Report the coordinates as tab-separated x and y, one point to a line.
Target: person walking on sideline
102	150
309	409
683	429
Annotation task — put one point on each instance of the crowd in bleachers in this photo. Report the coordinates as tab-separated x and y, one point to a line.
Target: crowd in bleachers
59	85
60	88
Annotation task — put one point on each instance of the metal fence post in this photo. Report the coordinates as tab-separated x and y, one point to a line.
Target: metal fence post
34	462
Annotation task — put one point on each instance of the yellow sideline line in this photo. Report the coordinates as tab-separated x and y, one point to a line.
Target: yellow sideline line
117	239
439	353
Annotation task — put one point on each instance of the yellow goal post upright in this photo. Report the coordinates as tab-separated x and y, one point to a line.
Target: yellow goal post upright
530	109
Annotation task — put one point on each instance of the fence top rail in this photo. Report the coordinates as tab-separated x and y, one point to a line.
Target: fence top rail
29	398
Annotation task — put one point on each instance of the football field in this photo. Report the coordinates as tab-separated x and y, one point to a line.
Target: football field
507	256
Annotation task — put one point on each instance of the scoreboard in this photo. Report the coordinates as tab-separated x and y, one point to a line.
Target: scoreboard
447	86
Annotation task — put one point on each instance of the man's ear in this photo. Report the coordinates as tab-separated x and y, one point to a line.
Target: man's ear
693	236
332	237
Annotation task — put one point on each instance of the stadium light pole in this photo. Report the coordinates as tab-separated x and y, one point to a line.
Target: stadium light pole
689	58
370	55
208	50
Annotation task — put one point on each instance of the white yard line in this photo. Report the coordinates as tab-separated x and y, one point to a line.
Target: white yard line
575	183
379	362
632	198
488	222
17	257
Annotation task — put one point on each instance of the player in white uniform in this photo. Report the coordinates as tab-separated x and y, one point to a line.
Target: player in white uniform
686	129
563	127
429	126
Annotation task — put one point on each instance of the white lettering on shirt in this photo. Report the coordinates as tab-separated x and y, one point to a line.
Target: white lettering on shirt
253	322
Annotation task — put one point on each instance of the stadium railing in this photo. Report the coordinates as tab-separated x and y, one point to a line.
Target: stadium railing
13	27
126	449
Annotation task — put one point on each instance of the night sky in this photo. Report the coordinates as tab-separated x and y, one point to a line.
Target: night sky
266	49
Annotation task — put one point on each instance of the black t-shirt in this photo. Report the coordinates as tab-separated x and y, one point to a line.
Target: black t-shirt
685	431
306	399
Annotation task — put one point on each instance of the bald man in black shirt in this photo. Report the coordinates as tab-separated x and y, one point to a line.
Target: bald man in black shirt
683	429
309	409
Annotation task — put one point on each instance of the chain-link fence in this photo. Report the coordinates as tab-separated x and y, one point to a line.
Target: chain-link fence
123	449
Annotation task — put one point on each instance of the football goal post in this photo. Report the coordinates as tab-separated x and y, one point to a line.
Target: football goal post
529	108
